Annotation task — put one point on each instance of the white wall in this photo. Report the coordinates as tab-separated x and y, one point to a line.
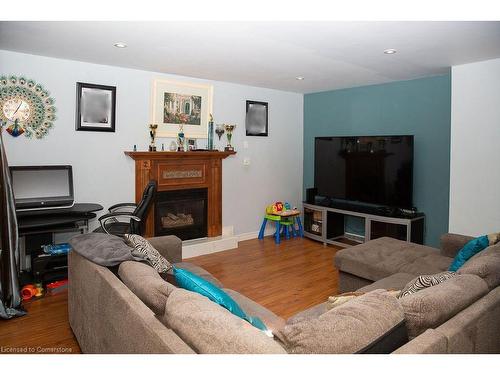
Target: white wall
103	174
475	148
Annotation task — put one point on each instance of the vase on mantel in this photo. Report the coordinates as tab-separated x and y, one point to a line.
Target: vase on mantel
210	145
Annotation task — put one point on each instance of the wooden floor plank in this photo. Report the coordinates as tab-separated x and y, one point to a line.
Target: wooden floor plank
286	278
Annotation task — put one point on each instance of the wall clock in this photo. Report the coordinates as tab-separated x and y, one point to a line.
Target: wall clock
25	107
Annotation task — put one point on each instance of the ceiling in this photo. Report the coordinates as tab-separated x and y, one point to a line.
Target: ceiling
329	55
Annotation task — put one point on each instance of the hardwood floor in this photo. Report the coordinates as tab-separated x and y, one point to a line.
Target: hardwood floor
45	329
285	278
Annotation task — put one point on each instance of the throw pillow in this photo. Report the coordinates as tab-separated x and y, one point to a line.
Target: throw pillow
425	281
471	248
143	249
189	281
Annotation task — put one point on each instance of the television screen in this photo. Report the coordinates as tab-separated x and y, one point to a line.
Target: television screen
374	169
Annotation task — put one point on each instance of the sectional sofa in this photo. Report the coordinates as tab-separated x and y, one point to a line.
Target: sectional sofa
122	310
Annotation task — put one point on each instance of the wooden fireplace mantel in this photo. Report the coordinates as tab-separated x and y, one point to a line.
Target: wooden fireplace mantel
179	171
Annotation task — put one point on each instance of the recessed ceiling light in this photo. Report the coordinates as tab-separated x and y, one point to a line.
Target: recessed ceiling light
390	51
120	45
299	78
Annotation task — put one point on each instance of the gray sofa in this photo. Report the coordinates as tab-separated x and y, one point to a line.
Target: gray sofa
469	307
125	310
122	311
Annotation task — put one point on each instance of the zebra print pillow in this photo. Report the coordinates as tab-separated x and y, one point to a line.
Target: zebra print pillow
425	281
143	249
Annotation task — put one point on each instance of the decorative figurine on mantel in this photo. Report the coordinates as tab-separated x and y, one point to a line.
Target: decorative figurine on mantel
152	134
229	134
181	140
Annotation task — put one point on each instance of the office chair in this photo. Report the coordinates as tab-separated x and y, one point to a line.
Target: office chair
135	213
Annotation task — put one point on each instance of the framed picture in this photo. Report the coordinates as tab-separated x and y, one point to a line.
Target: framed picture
95	107
180	103
191	144
256	120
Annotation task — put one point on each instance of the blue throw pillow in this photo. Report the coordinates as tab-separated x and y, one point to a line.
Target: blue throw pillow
189	281
470	249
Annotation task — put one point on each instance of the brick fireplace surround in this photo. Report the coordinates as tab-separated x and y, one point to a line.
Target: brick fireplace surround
181	171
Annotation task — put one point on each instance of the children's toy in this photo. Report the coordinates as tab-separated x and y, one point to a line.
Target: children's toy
39	290
28	292
285	218
57	287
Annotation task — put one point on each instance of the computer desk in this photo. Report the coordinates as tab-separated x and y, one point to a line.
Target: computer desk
37	227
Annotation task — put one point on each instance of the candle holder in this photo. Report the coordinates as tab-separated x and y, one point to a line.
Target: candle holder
152	135
229	134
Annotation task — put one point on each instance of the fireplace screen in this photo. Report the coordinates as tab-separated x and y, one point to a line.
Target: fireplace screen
182	213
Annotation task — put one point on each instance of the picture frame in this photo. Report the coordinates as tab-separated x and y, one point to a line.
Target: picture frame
192	144
256	119
95	107
181	103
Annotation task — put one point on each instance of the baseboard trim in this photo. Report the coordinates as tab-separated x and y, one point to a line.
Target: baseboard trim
253	235
204	246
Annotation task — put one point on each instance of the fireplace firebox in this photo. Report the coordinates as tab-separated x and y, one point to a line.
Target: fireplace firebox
182	213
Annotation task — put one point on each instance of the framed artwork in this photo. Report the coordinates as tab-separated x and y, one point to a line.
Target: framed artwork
176	104
95	107
256	120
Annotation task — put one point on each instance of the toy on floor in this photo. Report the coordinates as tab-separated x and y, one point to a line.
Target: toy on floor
29	291
285	218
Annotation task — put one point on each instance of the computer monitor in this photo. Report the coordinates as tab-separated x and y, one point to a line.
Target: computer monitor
47	186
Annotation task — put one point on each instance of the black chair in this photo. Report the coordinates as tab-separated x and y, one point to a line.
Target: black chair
135	213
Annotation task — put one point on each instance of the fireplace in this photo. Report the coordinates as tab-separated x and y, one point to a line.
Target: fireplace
182	213
177	174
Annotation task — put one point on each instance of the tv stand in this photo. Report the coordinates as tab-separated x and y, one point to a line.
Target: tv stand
327	224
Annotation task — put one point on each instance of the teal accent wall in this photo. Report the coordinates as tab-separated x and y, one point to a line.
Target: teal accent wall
420	107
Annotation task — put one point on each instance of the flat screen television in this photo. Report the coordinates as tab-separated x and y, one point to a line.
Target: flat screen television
45	186
374	169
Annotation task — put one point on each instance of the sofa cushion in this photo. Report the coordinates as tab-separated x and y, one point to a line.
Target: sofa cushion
394	282
311	313
272	321
486	265
451	243
204	274
143	249
146	284
425	281
345	329
433	306
382	257
209	328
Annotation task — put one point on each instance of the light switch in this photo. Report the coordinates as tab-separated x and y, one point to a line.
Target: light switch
246	161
